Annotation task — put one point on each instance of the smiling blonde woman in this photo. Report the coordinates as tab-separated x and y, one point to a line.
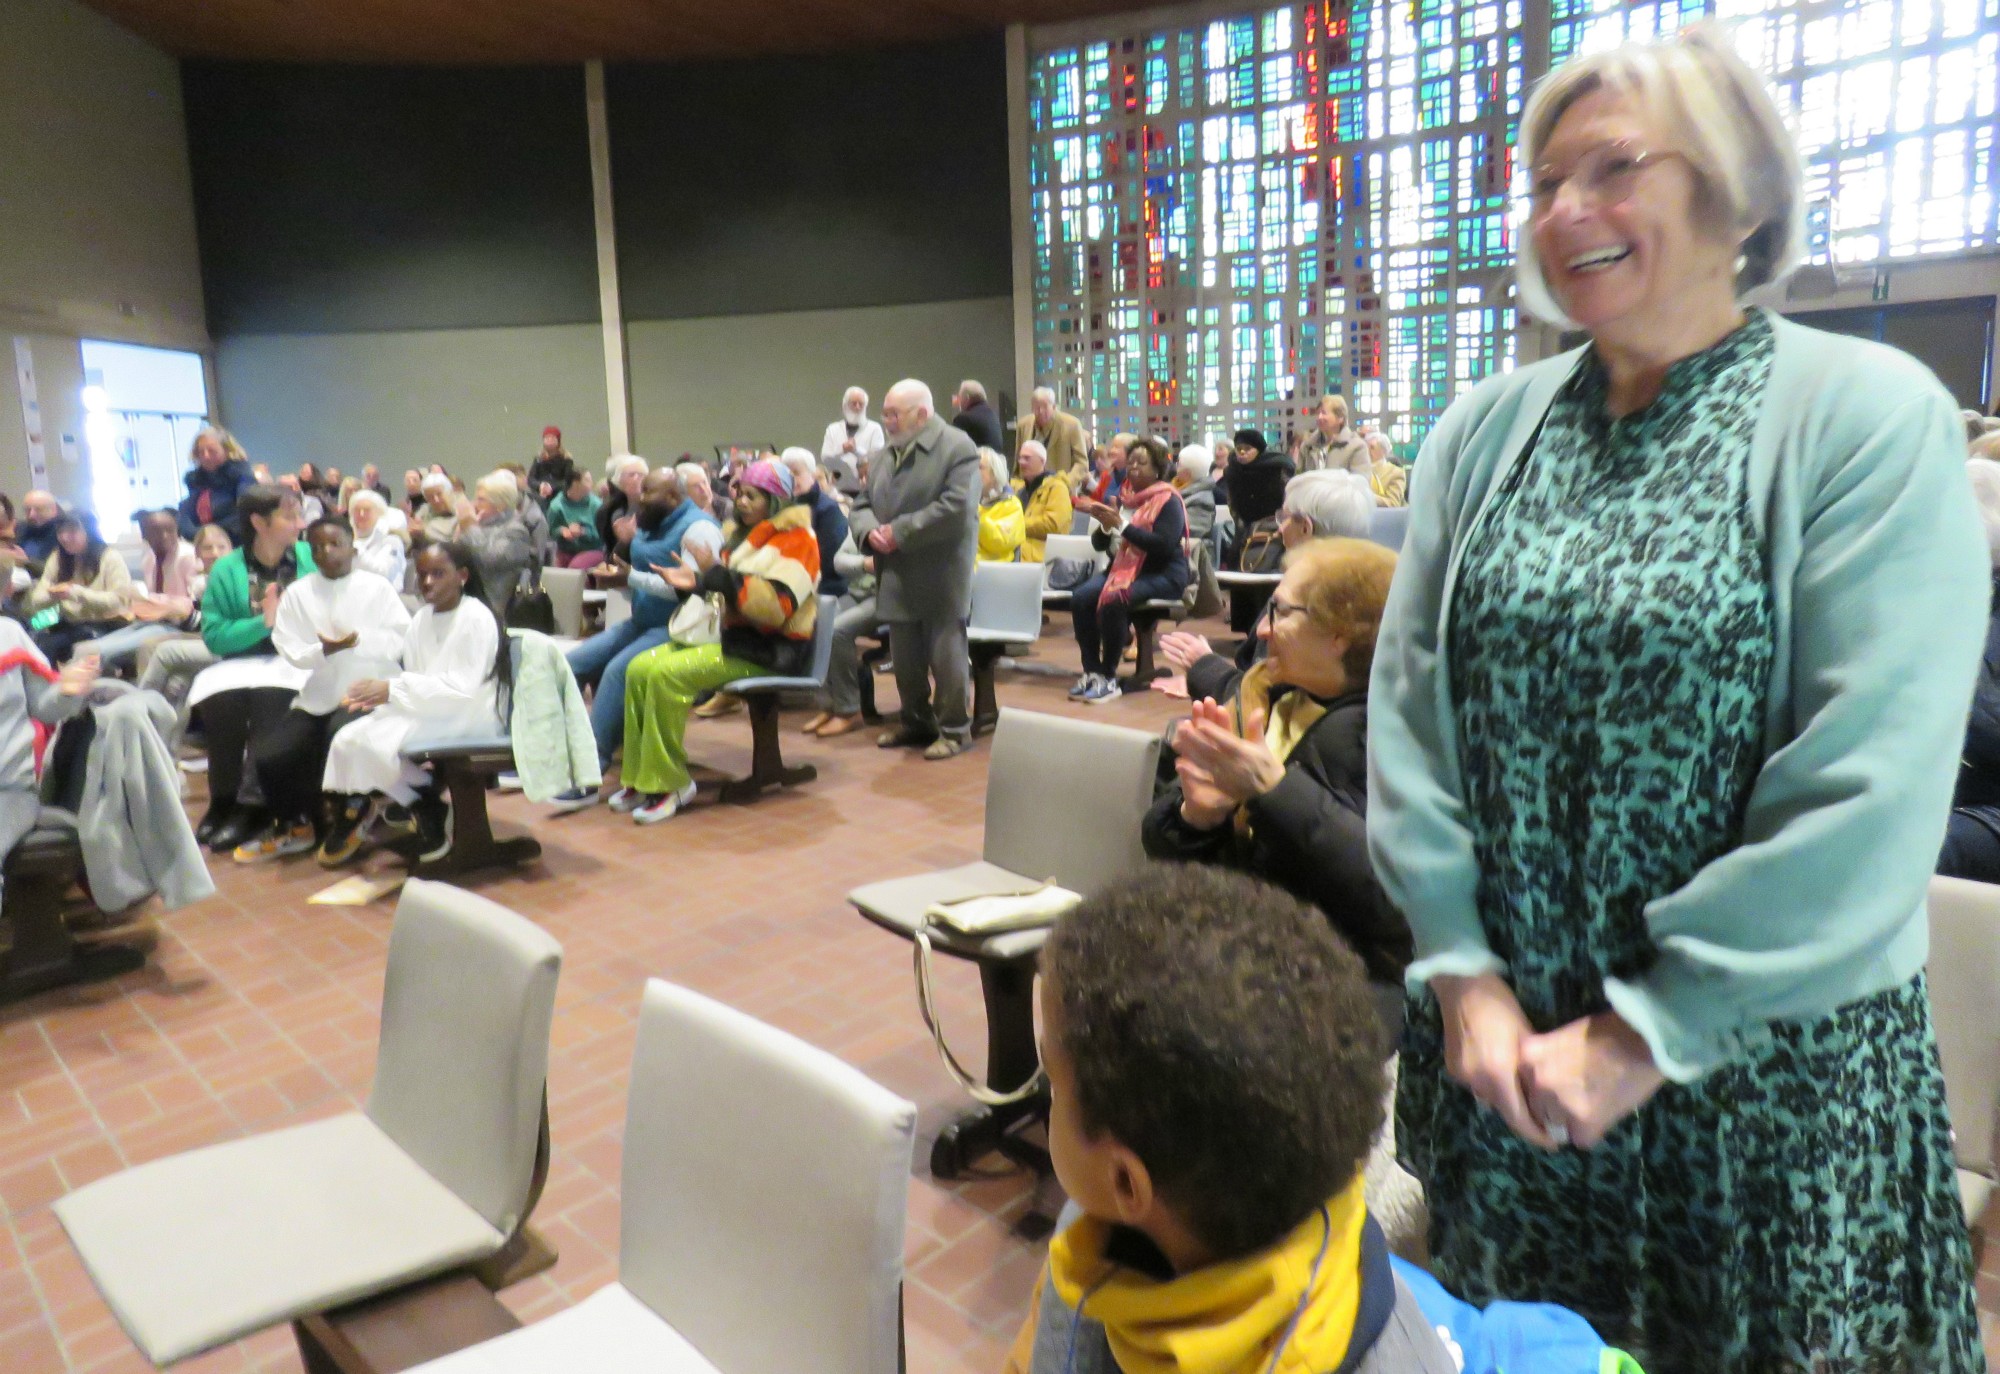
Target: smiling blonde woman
1664	722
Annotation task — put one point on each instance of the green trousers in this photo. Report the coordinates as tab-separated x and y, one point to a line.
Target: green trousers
660	688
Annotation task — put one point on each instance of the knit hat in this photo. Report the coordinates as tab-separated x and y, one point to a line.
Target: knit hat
1251	438
547	430
768	476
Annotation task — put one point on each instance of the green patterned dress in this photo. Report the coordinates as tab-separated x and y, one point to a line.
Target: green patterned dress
1611	645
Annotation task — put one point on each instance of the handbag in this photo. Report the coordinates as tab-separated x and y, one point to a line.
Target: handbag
1203	597
1263	550
1034	906
697	621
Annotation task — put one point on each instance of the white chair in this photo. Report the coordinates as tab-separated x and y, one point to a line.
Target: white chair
565	589
1389	525
1064	799
439	1172
761	1215
1964	978
1006	609
617	606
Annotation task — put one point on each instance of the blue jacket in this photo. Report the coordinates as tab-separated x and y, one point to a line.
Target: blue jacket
653	602
222	486
1879	585
830	529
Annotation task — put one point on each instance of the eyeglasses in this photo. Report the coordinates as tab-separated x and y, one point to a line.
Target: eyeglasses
1281	607
1606	175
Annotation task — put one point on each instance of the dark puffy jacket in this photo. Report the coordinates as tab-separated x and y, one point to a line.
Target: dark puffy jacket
1309	835
221	487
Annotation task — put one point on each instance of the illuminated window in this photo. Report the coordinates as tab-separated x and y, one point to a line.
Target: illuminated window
1231	218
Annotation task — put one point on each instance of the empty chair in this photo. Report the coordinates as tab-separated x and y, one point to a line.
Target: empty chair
1073	548
1006	609
565	589
439	1171
767	758
761	1214
1964	978
1064	799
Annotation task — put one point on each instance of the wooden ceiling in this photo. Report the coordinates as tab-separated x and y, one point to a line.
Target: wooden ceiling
503	31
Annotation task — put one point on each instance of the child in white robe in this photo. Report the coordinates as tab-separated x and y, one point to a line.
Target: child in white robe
453	672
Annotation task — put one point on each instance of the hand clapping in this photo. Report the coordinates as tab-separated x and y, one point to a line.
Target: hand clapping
1240	767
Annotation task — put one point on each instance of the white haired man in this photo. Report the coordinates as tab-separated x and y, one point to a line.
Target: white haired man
1060	434
919	518
973	415
850	439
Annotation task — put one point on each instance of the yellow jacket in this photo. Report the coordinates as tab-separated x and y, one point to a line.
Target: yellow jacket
1000	529
1050	511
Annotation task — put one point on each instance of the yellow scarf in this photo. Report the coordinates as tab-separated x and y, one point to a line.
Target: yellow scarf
1285	722
1228	1318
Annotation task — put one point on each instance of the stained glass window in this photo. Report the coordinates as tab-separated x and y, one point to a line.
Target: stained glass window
1230	218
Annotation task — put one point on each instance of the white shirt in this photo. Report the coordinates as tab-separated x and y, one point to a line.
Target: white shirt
833	449
316	607
448	666
381	552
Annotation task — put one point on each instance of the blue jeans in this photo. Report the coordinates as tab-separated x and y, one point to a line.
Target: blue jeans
604	657
1101	630
120	647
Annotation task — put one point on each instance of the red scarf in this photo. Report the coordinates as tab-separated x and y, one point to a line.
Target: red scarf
1141	510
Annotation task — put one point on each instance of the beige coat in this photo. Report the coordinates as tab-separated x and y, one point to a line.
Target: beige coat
1069	455
108	596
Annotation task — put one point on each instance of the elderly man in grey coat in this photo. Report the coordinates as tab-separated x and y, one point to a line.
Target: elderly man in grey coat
919	517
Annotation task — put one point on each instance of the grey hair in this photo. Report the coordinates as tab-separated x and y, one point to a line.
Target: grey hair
617	467
500	488
1333	501
1745	161
998	460
687	473
1044	393
800	460
1037	445
1195	461
860	391
368	497
916	392
968	387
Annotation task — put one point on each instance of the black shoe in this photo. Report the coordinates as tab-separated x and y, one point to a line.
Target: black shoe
904	738
243	824
433	828
343	830
218	815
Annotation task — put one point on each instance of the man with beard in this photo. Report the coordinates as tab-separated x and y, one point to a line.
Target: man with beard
850	439
665	521
919	519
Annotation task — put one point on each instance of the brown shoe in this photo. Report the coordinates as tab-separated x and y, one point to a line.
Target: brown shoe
836	726
721	704
945	747
812	726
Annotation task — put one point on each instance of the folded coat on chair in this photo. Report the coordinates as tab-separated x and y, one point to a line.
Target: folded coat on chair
135	836
549	725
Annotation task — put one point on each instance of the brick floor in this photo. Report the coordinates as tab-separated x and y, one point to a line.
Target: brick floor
260	1011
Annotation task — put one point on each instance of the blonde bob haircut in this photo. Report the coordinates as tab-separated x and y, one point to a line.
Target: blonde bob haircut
1748	183
1345	585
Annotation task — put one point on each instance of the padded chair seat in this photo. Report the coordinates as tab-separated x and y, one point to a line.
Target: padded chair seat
186	1252
48	843
772	684
1975	1191
899	904
444	743
609	1332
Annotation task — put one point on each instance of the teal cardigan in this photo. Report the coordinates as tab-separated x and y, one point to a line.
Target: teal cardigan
1880	584
230	625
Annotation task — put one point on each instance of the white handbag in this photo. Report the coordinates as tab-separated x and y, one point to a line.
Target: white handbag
698	621
1030	907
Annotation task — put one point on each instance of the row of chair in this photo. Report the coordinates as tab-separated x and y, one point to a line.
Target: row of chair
762	1210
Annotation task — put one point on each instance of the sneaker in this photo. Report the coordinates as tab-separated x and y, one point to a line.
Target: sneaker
396	819
1083	686
433	828
1104	690
345	832
279	842
507	782
576	799
626	799
663	806
197	764
945	747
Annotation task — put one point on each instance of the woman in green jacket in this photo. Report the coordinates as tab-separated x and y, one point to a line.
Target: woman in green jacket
1664	720
248	692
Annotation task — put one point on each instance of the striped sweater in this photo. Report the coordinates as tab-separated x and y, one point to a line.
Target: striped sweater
769	586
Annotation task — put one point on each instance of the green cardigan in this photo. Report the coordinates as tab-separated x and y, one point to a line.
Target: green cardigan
230	625
1880	583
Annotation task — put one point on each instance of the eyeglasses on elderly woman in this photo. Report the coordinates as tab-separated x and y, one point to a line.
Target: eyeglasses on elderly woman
1605	175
